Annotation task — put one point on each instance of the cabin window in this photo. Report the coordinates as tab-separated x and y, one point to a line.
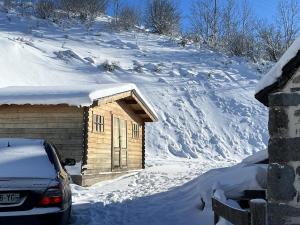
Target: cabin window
135	131
98	123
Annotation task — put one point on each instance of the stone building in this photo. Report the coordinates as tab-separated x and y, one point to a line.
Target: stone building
280	91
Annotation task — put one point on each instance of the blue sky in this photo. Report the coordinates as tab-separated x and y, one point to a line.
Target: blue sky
265	9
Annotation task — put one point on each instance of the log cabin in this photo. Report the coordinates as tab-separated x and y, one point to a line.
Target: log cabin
102	126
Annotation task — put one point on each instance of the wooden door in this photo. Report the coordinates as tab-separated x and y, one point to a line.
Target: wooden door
119	155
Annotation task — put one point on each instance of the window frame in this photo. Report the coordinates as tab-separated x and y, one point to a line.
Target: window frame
135	131
98	123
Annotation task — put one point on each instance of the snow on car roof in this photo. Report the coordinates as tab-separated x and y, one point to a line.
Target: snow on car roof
75	95
276	71
24	158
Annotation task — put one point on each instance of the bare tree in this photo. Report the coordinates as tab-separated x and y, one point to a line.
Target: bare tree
44	8
288	16
270	41
229	22
204	20
246	41
25	7
87	9
215	25
116	5
163	16
129	17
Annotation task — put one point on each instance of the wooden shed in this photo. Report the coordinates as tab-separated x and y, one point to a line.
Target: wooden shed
101	126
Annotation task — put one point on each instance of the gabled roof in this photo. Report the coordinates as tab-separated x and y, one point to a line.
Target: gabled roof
280	73
80	96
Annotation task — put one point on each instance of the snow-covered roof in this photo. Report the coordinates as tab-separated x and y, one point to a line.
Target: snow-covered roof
273	78
71	95
24	158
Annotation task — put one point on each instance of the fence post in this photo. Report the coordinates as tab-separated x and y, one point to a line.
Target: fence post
258	209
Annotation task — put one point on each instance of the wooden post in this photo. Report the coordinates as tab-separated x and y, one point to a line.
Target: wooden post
258	209
216	218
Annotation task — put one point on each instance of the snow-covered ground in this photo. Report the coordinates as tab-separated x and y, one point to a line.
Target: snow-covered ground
177	192
163	194
204	99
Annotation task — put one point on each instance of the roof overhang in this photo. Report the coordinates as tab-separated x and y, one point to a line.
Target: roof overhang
288	70
135	101
79	96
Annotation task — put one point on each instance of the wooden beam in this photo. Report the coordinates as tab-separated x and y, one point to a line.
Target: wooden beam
130	102
144	106
258	209
139	112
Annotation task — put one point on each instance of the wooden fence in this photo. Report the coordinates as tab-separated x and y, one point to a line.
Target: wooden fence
255	216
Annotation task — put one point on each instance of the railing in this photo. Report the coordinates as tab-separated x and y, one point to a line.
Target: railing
255	216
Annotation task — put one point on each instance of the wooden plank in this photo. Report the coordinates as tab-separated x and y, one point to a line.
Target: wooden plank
41	125
258	209
99	163
130	101
233	215
106	155
40	131
139	112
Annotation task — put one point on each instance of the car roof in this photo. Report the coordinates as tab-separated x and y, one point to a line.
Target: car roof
25	158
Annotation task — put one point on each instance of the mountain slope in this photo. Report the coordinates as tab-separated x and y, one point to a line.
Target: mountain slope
204	99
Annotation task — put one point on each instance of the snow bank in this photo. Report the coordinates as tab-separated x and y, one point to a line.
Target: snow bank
166	194
276	71
24	158
72	95
257	157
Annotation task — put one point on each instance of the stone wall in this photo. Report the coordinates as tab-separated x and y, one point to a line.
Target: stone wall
284	155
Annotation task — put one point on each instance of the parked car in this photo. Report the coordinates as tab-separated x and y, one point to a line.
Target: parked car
34	186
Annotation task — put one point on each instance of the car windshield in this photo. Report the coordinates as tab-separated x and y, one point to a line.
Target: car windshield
23	158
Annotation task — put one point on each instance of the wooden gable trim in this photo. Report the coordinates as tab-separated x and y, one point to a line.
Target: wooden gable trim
150	116
287	73
144	106
113	98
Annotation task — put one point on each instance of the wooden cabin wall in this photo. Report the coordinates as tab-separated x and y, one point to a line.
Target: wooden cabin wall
99	145
60	125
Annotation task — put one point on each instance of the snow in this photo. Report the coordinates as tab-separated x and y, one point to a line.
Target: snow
34	211
177	192
208	116
258	157
204	99
276	71
74	170
24	158
74	95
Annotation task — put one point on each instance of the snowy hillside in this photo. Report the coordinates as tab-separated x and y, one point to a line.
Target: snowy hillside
204	99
